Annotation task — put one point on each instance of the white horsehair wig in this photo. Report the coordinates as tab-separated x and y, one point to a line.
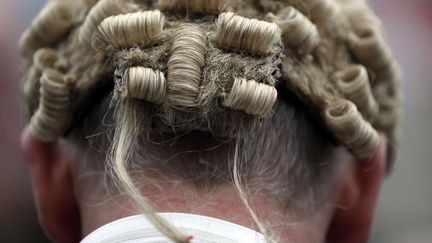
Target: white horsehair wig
272	79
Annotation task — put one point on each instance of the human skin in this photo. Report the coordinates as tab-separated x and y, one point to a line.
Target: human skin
70	208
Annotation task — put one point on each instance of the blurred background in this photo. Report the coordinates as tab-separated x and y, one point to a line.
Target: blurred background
405	208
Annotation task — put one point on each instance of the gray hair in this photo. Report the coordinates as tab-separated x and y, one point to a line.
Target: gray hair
253	80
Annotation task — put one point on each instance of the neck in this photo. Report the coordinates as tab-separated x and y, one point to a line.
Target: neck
223	204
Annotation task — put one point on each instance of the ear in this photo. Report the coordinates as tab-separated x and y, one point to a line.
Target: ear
353	219
53	188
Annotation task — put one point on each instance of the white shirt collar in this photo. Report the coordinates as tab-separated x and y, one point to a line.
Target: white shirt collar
203	229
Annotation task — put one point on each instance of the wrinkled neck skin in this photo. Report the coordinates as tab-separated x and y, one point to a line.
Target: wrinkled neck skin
98	209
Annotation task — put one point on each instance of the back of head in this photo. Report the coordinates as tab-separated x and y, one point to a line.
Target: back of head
258	96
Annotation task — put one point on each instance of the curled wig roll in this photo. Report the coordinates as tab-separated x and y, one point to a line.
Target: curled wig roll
253	98
354	83
251	35
185	67
45	58
49	27
51	120
351	129
366	45
322	10
299	33
129	30
103	9
146	84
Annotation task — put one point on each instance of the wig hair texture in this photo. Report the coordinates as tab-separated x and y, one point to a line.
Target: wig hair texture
51	118
145	84
354	83
185	67
241	33
252	97
129	30
342	116
299	33
251	79
196	6
49	27
101	10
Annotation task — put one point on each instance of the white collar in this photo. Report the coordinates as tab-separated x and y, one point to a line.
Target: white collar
203	229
